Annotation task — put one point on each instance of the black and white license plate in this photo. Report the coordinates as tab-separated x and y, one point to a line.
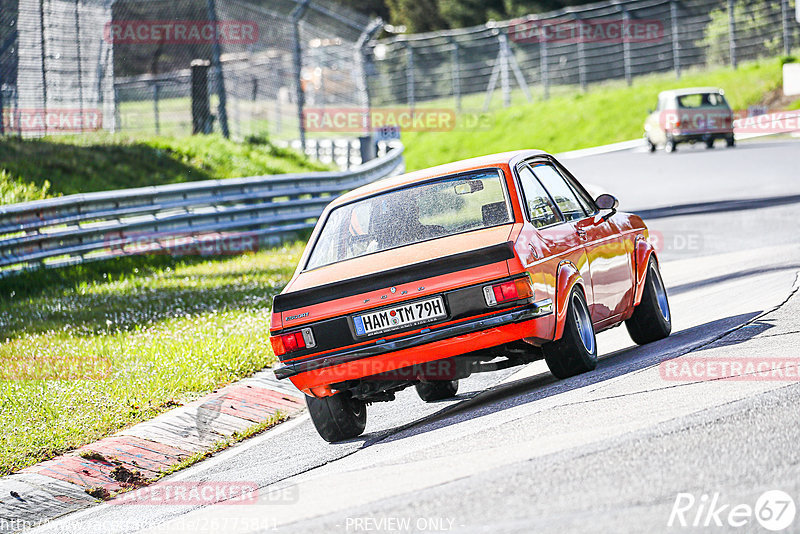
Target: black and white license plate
400	316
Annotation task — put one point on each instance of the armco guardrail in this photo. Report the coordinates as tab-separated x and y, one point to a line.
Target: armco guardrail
214	216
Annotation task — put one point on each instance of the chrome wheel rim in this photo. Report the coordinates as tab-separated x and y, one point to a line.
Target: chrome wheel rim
661	293
583	323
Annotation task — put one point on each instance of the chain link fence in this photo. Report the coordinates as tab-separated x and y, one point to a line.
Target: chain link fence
127	66
577	47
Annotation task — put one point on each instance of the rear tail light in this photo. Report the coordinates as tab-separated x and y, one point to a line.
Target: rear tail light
283	344
508	291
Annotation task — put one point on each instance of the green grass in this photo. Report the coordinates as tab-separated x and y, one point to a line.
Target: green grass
570	119
88	350
33	168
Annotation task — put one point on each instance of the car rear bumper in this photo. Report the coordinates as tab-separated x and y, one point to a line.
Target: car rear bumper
463	331
701	136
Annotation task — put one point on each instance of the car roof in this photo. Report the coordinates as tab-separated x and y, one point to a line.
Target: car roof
394	182
690	91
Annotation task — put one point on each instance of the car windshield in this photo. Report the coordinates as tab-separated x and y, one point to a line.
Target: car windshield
698	100
410	215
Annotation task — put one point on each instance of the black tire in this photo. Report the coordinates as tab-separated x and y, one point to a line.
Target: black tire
650	145
730	142
652	319
710	143
670	146
337	417
438	390
573	354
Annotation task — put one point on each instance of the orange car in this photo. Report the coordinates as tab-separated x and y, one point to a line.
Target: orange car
426	278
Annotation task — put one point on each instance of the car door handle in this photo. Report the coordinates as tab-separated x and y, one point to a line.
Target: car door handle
581	233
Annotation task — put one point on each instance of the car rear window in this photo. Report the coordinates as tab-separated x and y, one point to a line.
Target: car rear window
400	217
698	100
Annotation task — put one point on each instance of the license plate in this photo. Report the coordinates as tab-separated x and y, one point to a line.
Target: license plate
400	316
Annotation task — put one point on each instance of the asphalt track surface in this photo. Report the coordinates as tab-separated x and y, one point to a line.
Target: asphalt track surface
611	450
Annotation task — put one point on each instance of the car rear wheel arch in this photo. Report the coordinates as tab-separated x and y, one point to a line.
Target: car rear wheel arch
569	277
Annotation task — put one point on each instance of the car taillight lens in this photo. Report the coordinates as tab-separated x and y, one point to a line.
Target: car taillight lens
508	291
304	339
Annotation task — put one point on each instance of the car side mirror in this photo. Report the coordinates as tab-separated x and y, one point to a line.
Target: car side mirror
607	202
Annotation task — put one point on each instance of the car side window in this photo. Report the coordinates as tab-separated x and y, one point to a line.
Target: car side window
587	203
541	211
565	198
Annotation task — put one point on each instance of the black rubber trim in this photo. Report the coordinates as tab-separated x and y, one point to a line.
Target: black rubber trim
502	318
393	277
338	333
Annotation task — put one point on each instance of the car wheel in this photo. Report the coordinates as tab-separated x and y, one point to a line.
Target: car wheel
337	417
730	141
576	351
650	145
433	391
651	320
671	145
710	143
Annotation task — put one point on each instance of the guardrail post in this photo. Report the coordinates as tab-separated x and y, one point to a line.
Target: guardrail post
732	32
676	43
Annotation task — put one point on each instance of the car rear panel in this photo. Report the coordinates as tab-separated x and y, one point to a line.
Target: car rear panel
459	278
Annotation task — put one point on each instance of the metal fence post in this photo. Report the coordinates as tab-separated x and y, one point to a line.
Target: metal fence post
455	74
501	39
410	89
155	108
297	14
201	108
581	57
44	65
362	86
222	107
787	34
676	44
543	65
626	46
78	56
732	32
2	112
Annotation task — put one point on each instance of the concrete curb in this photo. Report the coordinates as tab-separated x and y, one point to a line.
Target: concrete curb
59	486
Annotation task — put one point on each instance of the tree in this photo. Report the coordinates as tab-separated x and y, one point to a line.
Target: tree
416	15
